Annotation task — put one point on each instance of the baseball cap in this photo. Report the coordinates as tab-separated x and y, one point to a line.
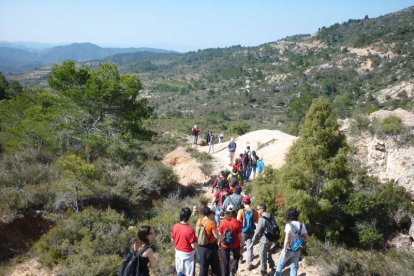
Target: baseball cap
230	208
246	199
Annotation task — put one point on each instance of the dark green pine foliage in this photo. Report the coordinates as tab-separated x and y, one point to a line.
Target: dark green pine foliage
336	199
315	178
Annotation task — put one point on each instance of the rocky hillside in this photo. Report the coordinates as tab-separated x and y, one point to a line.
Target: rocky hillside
389	157
354	64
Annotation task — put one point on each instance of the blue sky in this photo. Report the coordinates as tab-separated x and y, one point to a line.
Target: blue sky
180	24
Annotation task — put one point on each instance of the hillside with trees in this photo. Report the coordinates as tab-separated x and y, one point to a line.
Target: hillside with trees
81	145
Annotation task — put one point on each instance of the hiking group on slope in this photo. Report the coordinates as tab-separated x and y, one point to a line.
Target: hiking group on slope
229	225
219	249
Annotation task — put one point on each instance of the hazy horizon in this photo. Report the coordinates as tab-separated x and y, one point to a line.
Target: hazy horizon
180	26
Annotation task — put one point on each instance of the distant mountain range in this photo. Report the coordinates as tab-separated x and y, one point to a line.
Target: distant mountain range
15	57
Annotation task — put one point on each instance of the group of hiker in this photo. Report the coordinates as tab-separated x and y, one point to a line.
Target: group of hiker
219	248
229	226
209	137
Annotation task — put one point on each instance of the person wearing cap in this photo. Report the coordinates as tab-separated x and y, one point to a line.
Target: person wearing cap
208	254
230	223
185	243
265	254
195	131
232	149
248	232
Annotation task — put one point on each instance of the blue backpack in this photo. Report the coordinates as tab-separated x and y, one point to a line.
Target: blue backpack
248	223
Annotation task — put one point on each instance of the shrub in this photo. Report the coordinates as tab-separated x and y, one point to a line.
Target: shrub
241	128
392	125
340	261
89	242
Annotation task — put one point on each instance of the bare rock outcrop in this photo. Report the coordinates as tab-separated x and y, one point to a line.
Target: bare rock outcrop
185	166
386	157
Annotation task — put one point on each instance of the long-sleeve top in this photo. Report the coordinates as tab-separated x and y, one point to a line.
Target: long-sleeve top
260	228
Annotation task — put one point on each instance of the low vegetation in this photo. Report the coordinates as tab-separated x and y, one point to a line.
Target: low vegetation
85	151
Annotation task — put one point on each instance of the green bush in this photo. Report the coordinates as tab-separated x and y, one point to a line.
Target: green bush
340	261
392	125
316	179
241	128
85	243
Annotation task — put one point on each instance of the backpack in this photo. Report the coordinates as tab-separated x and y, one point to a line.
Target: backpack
233	180
271	231
221	184
297	241
130	263
202	238
254	160
228	237
248	223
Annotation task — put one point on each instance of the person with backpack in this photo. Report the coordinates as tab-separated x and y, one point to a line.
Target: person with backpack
207	237
266	234
230	230
247	163
235	199
234	178
260	165
211	142
254	160
221	182
295	235
136	263
195	132
232	150
248	216
185	243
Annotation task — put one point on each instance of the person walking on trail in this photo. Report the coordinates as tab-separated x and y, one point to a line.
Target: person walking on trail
265	255
234	178
207	137
208	253
146	254
185	243
235	199
248	216
211	142
232	150
230	230
220	188
195	131
221	137
254	160
221	182
294	230
260	166
248	164
245	161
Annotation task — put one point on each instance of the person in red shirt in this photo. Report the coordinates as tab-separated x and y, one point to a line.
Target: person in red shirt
185	243
235	226
195	132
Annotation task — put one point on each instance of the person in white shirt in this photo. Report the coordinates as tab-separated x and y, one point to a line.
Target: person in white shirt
293	231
